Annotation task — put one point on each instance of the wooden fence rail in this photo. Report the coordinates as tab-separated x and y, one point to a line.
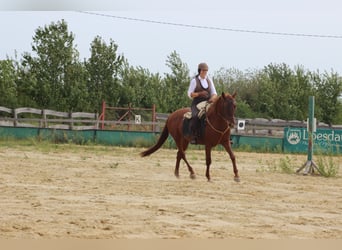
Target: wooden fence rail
45	118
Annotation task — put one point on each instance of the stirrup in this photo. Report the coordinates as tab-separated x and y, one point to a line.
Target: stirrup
193	139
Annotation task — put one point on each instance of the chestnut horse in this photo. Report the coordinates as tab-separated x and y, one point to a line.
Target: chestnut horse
219	120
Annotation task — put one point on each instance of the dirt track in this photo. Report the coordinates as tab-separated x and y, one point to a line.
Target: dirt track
109	192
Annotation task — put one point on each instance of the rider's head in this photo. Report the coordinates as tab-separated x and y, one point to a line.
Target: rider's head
202	67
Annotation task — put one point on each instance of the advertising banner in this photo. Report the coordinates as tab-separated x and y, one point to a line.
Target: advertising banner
324	140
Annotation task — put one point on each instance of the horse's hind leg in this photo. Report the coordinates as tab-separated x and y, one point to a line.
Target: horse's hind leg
181	155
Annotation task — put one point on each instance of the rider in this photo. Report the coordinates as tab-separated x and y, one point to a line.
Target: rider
201	89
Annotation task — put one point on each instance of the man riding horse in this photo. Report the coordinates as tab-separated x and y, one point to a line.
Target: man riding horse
201	89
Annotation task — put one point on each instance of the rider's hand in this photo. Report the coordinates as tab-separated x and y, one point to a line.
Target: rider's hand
203	93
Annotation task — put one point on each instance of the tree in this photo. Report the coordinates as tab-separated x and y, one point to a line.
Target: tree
141	88
176	84
233	80
8	88
282	92
75	93
103	68
48	70
328	87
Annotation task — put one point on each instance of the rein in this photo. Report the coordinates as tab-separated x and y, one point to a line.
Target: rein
216	130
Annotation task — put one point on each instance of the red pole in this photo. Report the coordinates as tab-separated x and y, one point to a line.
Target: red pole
153	116
103	113
129	115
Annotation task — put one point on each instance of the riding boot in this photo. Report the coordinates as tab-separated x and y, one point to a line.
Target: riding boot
194	130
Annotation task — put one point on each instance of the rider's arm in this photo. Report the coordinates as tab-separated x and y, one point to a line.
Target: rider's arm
191	90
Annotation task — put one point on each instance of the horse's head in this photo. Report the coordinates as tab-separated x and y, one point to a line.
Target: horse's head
226	108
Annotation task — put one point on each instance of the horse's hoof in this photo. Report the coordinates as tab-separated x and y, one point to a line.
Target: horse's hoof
237	179
192	176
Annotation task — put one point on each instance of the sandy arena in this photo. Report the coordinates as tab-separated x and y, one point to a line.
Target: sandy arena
88	192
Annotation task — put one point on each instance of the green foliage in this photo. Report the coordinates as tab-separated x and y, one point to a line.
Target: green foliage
53	77
327	90
140	87
75	93
277	91
8	77
176	84
46	73
244	110
103	67
286	166
283	165
327	166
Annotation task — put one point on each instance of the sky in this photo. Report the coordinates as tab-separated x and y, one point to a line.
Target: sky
244	34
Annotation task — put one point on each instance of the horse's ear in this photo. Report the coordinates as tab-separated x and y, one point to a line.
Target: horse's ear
223	95
235	93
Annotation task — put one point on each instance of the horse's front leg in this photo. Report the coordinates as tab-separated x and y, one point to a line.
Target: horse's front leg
208	161
229	150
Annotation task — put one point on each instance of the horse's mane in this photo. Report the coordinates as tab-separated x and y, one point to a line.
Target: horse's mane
226	95
216	100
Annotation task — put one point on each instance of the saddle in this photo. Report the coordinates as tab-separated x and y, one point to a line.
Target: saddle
202	107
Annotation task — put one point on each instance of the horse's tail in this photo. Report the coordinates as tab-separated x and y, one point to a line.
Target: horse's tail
159	143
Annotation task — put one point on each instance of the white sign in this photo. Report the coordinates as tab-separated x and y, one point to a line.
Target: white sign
137	119
241	124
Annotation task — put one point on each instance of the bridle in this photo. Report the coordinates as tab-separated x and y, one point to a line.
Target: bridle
216	130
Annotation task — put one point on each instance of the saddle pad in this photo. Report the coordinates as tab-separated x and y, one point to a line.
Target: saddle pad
187	115
202	107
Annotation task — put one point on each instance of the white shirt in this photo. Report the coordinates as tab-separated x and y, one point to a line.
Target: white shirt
204	84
